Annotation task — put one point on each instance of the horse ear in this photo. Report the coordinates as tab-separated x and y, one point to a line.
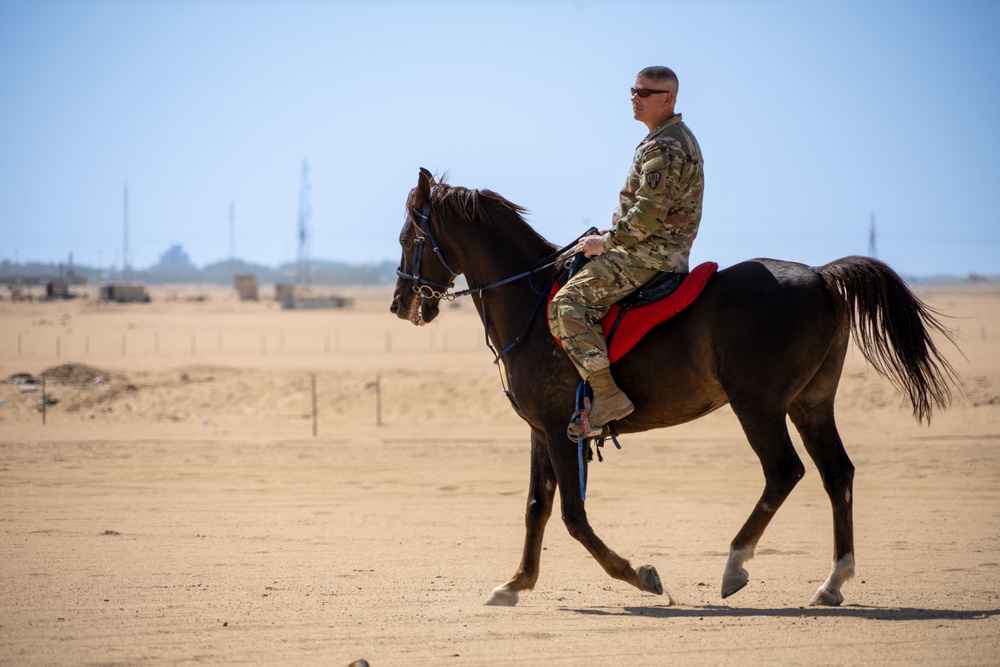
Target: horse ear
424	184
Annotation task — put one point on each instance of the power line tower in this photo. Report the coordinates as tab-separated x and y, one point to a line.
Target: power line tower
872	247
303	270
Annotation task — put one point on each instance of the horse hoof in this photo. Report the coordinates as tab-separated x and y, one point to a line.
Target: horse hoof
827	598
734	583
649	580
501	597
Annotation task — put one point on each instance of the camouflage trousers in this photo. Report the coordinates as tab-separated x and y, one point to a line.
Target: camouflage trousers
576	310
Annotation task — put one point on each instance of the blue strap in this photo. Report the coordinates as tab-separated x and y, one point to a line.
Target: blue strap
581	393
611	431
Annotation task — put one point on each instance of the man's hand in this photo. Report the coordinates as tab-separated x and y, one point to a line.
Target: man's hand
590	245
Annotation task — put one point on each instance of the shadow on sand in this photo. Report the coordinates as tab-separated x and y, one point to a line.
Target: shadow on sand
846	611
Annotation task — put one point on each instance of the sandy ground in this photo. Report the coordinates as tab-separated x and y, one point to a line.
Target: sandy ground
176	508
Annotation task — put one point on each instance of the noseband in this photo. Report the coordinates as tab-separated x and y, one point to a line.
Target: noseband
423	286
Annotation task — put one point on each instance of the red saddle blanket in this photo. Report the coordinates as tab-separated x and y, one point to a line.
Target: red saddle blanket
637	322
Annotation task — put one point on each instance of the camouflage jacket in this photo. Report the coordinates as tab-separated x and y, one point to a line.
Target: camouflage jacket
660	205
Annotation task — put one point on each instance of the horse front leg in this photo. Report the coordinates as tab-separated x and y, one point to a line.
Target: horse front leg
574	516
541	492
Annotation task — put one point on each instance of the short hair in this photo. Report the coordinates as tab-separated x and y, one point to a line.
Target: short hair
659	73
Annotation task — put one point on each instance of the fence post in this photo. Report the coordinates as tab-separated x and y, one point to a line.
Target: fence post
378	398
314	403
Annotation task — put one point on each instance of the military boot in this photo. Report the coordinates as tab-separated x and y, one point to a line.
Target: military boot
610	402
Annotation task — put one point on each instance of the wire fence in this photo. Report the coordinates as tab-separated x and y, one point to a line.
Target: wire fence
49	345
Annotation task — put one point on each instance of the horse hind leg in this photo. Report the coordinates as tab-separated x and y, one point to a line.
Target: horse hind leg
541	492
768	436
818	429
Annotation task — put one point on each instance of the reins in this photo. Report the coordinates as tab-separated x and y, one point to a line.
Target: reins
572	262
545	263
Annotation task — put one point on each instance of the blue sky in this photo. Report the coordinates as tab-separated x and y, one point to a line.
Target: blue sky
813	116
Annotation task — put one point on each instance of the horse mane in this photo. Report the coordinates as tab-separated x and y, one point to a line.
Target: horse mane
483	207
470	205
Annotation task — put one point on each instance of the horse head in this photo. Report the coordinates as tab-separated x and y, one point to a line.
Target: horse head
424	275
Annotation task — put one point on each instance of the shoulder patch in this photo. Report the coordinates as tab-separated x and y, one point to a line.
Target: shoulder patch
659	153
652	179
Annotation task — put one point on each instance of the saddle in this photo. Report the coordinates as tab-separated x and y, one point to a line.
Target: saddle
662	297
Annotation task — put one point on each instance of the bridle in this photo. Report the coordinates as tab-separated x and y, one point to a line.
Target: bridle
421	285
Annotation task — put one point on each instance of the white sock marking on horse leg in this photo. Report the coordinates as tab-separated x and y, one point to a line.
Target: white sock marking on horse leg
829	593
502	596
737	557
735	576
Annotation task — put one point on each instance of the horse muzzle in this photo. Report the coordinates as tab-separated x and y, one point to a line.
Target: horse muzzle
420	310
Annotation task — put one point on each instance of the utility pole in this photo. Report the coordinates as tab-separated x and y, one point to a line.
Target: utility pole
232	230
872	246
125	274
303	271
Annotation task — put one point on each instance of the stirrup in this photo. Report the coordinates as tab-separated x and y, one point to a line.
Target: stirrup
579	427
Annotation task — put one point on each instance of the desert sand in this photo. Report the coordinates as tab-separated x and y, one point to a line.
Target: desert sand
176	507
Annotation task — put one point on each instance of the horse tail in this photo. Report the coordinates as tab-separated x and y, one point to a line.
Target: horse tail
892	328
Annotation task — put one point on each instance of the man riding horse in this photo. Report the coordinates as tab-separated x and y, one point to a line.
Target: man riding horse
652	231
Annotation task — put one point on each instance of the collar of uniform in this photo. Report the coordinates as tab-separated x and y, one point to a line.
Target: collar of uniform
673	120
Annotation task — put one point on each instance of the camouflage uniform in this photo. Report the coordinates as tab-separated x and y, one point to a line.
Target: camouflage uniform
652	230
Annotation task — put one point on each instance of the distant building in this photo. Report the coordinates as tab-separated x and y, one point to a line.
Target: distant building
124	293
284	293
246	286
57	289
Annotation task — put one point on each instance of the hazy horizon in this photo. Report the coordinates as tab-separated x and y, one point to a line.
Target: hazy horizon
813	117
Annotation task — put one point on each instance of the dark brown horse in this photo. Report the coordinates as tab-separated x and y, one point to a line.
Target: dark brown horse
767	337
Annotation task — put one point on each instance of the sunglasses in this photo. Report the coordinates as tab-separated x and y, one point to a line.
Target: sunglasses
646	92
